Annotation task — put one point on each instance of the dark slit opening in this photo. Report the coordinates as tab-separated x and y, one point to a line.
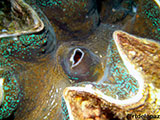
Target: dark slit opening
77	56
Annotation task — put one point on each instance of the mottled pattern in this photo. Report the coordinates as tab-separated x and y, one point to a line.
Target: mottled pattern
64	110
143	99
11	94
144	54
15	50
119	83
36	64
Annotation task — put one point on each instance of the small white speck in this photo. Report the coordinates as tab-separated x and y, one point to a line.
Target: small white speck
89	86
52	102
4	30
113	10
117	97
100	56
9	50
132	53
45	117
140	68
103	66
96	51
52	96
134	9
48	114
50	92
1	81
15	38
64	9
155	58
152	86
56	90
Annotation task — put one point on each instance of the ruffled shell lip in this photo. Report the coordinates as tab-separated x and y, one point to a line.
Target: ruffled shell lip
38	24
88	89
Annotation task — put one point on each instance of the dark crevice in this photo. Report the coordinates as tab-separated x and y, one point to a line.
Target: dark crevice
77	56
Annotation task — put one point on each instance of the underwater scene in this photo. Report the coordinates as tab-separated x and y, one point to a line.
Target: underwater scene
79	59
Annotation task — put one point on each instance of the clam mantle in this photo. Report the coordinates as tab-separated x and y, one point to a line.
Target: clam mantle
85	59
137	95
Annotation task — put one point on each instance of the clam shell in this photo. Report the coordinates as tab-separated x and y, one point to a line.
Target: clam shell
124	91
25	38
29	23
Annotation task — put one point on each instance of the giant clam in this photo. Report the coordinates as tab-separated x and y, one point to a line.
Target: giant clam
69	57
126	90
